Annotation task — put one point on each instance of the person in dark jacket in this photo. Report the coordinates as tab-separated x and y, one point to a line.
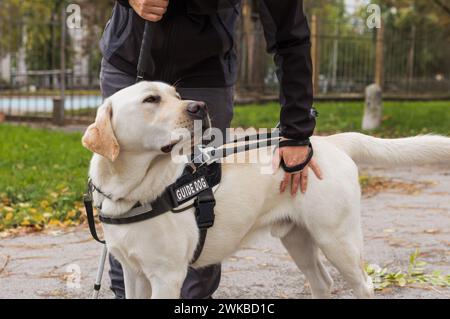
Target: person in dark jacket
193	47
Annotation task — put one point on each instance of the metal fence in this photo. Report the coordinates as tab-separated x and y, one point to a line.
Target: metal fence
49	75
36	97
346	55
41	81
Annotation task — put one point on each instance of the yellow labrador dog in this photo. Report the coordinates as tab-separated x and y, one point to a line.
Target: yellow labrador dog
133	127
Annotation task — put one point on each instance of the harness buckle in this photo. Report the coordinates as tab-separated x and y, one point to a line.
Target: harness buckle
204	210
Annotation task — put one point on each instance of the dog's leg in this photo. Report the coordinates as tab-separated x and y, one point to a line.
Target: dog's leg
346	256
137	285
304	251
167	284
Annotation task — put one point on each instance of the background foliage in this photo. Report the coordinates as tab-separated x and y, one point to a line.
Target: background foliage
424	20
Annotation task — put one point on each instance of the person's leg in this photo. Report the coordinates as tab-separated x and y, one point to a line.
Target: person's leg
218	100
201	283
111	81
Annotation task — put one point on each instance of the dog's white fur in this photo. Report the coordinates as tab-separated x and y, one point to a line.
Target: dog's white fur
155	253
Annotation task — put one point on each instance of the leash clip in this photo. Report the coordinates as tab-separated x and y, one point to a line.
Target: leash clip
207	154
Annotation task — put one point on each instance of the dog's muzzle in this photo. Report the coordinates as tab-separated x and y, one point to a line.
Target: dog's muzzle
199	111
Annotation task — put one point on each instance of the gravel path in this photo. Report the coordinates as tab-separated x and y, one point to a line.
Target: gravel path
395	222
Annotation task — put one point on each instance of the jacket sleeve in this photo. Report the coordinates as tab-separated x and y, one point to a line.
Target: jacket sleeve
288	36
125	3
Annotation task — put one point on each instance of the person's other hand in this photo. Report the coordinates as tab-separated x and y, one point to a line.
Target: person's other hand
292	156
151	10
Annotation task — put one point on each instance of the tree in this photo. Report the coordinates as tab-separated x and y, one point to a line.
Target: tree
39	23
424	31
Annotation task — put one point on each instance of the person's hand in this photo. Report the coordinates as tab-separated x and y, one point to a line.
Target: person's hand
151	10
292	156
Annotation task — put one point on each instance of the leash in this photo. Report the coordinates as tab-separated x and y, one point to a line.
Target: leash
146	65
210	154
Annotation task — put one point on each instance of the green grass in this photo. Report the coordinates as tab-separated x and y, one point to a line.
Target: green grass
42	177
400	118
43	173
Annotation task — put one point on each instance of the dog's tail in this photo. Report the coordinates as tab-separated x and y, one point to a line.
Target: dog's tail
418	150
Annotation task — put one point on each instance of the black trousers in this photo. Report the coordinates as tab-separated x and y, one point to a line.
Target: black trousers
199	283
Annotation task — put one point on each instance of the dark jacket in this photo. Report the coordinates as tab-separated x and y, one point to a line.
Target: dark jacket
193	46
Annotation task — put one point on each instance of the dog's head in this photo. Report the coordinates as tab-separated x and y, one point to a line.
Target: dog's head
143	117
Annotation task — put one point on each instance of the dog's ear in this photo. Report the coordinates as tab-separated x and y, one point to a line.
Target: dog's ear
99	137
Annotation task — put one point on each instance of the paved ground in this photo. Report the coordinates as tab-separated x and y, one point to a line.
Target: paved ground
413	213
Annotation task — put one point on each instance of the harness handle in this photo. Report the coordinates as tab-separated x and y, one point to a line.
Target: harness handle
297	168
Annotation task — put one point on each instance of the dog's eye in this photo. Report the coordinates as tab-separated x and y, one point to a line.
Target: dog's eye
152	99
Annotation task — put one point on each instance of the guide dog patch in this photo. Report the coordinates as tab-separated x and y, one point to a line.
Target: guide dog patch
191	189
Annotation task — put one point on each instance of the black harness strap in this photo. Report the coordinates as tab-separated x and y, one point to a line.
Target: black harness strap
272	138
87	199
285	143
215	154
204	213
299	167
133	219
145	62
159	206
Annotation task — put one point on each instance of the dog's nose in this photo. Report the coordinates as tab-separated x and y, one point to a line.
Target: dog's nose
197	110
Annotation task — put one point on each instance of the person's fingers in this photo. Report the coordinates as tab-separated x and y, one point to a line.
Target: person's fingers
155	10
304	179
285	182
151	17
316	169
151	10
295	183
159	3
154	3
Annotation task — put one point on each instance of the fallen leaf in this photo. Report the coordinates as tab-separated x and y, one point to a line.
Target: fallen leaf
431	231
